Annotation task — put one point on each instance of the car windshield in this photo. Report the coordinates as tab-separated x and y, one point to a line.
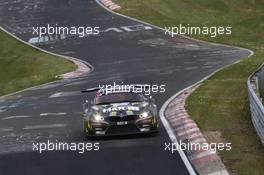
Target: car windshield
118	98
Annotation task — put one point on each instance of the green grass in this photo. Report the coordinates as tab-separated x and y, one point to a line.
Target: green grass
220	103
22	66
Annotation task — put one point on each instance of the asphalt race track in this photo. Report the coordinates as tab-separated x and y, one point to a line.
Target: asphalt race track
141	55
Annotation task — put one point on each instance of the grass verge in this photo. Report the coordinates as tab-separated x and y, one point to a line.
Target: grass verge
22	66
220	104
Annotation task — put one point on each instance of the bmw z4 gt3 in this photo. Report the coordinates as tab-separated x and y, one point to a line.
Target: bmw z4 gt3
120	113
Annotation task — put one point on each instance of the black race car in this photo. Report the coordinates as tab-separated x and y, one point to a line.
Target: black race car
119	113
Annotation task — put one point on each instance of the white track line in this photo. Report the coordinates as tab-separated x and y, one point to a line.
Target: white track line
6	129
16	117
174	140
45	126
57	114
58	94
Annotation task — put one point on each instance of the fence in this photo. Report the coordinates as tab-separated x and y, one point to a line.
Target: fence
255	85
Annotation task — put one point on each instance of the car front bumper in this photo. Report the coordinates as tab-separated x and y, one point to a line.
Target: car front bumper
141	126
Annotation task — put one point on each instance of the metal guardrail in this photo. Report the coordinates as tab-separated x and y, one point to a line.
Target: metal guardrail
255	85
260	81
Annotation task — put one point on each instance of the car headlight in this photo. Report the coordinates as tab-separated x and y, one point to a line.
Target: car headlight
98	117
144	115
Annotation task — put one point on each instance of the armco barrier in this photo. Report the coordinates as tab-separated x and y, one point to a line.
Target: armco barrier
256	106
260	81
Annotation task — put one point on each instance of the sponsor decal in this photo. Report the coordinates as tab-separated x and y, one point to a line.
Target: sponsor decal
121	108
